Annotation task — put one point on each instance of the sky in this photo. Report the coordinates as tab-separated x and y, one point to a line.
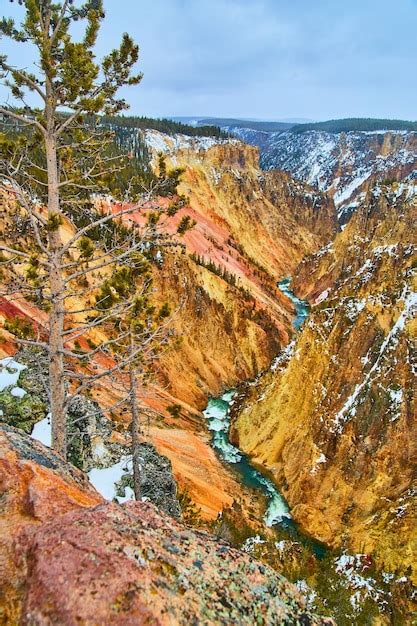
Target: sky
267	59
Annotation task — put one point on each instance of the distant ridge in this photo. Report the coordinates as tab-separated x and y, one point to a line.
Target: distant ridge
355	124
345	125
163	125
268	127
232	122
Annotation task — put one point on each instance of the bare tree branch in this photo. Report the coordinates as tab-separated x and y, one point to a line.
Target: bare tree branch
22	118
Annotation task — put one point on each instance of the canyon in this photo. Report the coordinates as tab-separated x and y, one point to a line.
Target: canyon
328	413
256	227
334	418
343	164
208	359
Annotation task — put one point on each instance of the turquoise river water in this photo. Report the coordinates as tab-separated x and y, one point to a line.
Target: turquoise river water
217	414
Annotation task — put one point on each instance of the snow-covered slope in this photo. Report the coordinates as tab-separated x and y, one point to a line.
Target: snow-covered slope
158	142
342	164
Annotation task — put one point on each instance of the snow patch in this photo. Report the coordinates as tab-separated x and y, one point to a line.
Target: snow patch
324	294
283	356
309	594
345	193
251	542
42	431
354	307
105	480
10	372
396	400
316	464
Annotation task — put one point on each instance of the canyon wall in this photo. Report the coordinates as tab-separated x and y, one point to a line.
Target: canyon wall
345	165
334	419
254	227
230	319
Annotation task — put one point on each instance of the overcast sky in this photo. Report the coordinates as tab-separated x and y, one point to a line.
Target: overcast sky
270	59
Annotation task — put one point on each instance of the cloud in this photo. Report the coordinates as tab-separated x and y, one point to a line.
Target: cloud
270	58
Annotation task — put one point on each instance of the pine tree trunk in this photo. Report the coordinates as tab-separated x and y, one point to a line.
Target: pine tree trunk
57	311
135	433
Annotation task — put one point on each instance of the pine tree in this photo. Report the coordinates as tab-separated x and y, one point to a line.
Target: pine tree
53	155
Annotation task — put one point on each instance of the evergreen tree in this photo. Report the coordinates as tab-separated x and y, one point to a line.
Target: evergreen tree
54	157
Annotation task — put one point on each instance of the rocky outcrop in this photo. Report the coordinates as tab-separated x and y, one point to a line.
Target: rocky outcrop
385	221
36	485
94	444
157	482
68	558
271	220
335	419
131	566
310	208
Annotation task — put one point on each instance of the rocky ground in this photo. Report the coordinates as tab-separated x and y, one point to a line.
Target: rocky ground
69	558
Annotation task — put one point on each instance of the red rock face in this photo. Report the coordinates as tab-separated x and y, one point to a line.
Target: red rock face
66	558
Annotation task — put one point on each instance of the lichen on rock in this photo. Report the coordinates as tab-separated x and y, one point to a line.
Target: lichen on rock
69	558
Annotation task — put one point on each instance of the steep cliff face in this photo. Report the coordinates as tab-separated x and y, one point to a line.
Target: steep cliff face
230	319
67	557
274	220
345	165
334	419
251	226
224	335
251	229
385	218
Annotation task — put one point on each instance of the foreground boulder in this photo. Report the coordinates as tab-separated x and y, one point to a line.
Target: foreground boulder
35	486
70	558
131	565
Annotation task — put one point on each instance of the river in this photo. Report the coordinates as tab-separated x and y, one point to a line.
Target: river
217	414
